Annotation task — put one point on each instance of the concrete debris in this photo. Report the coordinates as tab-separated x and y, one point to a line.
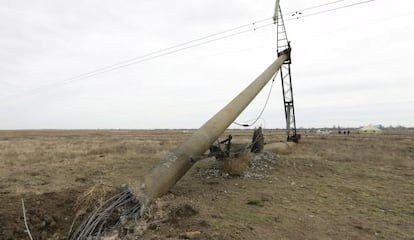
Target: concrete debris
260	166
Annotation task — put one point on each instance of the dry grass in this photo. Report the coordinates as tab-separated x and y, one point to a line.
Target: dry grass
49	161
330	187
380	150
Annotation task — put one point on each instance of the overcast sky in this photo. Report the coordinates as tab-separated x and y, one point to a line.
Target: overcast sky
351	67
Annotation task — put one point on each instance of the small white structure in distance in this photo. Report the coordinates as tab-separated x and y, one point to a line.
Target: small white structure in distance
370	129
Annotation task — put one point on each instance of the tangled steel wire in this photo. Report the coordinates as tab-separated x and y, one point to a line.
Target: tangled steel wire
113	212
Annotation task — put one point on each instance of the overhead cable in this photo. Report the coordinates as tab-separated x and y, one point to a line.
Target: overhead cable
263	108
330	10
192	44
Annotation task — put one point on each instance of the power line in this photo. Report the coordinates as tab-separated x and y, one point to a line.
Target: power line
263	108
165	49
183	46
160	53
330	10
189	42
155	54
99	70
165	53
313	7
150	57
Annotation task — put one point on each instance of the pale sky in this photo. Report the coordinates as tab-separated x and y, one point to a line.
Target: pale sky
351	67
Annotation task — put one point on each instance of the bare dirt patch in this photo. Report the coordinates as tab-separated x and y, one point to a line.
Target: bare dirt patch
49	215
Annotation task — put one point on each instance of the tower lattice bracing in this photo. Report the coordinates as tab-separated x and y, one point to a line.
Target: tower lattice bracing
283	46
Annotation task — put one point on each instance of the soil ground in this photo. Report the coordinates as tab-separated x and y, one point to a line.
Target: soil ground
329	187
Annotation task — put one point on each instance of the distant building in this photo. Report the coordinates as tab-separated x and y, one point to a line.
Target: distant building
369	129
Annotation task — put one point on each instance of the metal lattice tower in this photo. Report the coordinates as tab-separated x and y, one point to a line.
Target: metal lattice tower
283	47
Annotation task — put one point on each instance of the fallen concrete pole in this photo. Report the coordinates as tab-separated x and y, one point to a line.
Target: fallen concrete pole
132	202
163	176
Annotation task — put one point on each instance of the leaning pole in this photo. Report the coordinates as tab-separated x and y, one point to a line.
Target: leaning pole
133	202
163	176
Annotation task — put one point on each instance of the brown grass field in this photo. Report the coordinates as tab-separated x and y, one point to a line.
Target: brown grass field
329	187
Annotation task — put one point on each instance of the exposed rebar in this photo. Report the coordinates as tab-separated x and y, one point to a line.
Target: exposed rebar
114	212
